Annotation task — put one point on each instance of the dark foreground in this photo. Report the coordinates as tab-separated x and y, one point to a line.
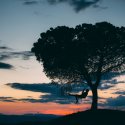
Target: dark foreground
99	117
27	119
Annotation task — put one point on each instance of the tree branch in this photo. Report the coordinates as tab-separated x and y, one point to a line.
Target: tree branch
113	67
86	76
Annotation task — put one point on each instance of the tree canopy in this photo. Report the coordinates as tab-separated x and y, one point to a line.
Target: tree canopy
71	53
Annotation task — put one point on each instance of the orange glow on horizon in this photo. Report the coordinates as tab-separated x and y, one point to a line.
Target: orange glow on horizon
42	108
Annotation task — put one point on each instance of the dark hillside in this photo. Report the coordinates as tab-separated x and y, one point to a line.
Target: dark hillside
27	119
99	117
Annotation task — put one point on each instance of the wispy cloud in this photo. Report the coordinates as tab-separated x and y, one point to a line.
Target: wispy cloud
24	54
6	99
105	86
4	48
4	56
78	5
8	53
11	99
120	92
30	2
118	101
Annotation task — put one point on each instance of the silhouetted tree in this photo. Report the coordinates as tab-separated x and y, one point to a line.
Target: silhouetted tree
84	52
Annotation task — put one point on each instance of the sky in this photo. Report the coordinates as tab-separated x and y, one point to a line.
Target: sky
21	22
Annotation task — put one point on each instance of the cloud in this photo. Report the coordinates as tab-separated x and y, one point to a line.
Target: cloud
5	65
118	101
109	80
43	87
120	92
111	75
4	56
53	93
106	86
30	2
6	99
48	98
4	48
7	53
25	55
11	99
78	5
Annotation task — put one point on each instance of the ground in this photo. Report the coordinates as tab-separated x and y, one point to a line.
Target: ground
99	117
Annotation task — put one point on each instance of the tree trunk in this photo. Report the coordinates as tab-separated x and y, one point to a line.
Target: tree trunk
94	98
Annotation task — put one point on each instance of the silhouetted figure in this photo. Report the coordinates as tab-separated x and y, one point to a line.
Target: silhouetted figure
83	95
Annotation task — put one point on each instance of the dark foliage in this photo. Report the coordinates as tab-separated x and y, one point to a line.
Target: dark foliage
65	51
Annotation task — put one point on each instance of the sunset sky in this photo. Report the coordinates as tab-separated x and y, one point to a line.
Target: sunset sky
21	22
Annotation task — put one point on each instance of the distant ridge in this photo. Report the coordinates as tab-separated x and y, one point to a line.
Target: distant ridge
26	119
